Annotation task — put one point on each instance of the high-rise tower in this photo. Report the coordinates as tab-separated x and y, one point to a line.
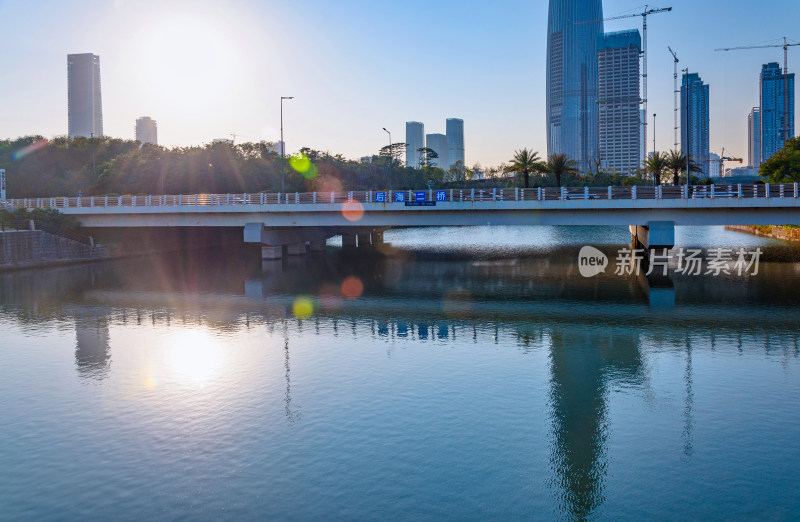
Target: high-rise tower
84	103
455	141
618	91
774	96
694	120
146	130
415	140
573	29
754	137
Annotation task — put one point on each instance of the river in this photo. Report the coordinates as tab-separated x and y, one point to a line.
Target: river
472	374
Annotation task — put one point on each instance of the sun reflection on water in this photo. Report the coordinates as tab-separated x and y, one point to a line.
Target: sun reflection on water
194	357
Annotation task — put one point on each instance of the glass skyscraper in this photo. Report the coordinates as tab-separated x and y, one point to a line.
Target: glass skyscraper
754	137
694	120
415	140
84	103
573	29
777	89
455	141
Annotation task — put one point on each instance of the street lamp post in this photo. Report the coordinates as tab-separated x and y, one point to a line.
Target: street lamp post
391	158
283	143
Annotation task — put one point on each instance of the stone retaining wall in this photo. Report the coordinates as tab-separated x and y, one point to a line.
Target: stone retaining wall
35	247
785	233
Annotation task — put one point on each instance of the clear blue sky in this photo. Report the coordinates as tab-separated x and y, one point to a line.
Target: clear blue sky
207	69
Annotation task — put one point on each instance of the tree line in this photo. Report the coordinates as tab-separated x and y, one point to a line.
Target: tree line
36	167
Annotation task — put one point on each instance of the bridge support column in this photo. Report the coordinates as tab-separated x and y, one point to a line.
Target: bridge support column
271	252
296	249
317	246
348	240
377	237
656	234
363	240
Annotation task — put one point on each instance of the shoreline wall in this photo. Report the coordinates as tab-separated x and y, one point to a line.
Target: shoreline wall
776	232
26	248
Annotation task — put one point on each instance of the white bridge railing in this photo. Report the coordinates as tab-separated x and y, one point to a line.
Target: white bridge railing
401	197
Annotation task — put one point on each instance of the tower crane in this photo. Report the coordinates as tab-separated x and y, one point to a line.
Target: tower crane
722	159
647	12
785	45
675	93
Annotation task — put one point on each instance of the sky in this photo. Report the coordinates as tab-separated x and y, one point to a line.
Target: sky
210	69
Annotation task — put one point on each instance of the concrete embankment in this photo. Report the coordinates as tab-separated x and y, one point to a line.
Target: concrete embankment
776	232
32	248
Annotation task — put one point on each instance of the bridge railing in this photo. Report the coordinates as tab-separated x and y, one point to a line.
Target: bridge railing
388	197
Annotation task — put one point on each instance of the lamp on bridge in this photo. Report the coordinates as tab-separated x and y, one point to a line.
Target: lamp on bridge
283	143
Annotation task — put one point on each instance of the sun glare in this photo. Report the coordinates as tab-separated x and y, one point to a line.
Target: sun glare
190	63
195	357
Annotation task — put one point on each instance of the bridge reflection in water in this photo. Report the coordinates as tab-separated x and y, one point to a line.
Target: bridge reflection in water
593	330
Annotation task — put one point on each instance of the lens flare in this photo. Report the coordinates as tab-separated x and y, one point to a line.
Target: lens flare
30	149
352	210
303	307
300	163
352	287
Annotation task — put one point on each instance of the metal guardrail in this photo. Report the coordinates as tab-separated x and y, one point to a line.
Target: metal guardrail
400	197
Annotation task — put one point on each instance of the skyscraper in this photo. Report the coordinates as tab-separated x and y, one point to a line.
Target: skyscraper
754	137
777	89
618	101
694	120
415	140
572	114
84	103
146	130
455	141
438	144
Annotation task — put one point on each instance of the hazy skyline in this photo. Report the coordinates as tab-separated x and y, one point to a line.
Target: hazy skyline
205	70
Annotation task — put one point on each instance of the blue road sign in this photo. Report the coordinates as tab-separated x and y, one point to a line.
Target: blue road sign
399	197
441	195
380	197
419	195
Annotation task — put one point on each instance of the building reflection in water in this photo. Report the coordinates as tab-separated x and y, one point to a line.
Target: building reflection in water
585	363
92	351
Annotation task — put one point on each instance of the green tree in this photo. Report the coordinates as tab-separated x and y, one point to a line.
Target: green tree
426	157
524	162
656	164
784	166
560	165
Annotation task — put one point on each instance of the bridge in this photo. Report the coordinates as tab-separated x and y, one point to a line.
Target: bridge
295	222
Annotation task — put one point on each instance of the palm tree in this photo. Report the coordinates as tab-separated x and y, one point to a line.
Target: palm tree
676	162
657	163
525	161
560	164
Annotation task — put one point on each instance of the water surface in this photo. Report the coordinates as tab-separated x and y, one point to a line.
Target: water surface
475	375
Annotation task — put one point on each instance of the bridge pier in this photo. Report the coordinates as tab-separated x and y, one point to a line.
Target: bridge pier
271	252
363	240
377	237
654	235
348	240
296	249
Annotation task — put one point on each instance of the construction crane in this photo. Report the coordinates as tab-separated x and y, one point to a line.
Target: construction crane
785	47
647	12
722	159
675	93
237	136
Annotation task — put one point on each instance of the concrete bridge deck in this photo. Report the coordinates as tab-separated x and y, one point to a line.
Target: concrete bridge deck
276	220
